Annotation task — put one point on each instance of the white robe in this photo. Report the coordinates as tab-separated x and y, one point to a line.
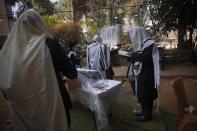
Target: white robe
28	78
98	58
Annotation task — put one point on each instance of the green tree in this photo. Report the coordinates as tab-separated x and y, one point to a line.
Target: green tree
116	12
65	32
90	28
62	9
138	12
43	6
51	20
170	15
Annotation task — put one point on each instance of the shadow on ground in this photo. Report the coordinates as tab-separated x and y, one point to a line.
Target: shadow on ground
123	119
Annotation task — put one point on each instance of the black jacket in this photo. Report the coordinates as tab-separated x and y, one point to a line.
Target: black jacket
75	60
62	65
146	91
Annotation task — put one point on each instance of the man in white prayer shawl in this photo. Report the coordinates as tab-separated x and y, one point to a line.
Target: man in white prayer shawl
29	76
148	72
98	57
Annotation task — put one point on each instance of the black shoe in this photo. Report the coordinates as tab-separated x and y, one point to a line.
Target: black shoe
139	114
143	118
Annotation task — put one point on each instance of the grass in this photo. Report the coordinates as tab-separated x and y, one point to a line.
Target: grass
123	119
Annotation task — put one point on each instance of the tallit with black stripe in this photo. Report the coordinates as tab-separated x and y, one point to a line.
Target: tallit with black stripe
98	58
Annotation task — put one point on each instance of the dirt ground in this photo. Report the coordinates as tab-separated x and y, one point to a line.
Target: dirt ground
166	94
167	99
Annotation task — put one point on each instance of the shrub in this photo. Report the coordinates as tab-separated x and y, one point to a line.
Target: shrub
65	32
50	20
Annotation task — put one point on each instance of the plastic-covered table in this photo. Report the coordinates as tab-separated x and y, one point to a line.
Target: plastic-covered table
98	94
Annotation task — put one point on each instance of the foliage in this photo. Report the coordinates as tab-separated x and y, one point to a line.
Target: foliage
85	7
11	2
166	14
101	12
107	12
138	12
90	28
22	6
61	9
51	20
174	15
65	32
43	6
115	11
126	41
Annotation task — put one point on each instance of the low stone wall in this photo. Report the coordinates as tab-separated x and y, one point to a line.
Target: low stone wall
176	56
180	56
170	57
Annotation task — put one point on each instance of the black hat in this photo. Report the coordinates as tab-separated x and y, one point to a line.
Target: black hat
72	43
118	44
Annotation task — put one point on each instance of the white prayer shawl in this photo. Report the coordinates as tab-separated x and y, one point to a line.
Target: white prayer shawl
140	41
98	58
28	78
70	53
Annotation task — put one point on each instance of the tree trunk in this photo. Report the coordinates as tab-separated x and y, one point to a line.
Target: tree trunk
190	37
193	55
111	15
4	26
8	10
74	12
181	33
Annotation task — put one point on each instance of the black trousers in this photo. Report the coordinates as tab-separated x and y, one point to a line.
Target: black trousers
147	108
4	95
68	117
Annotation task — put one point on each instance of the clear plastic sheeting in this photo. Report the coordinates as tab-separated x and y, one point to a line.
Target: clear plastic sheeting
98	94
89	74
